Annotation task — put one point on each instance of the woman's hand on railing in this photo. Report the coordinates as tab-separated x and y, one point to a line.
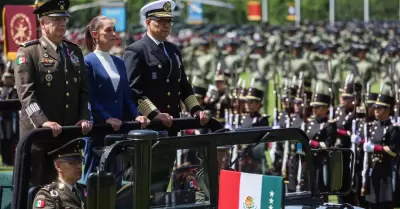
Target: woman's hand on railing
115	123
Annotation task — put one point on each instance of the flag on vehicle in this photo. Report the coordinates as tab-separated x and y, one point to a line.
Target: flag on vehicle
249	191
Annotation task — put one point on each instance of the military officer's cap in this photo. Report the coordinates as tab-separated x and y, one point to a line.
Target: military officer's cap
53	8
385	97
352	86
160	8
69	151
371	99
255	94
199	87
321	96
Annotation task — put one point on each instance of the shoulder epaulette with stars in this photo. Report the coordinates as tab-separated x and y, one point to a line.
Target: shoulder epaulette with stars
67	41
30	43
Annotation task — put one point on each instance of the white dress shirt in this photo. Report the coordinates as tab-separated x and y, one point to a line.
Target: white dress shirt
108	64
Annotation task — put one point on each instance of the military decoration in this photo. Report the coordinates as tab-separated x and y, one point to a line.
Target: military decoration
49	77
74	59
47	62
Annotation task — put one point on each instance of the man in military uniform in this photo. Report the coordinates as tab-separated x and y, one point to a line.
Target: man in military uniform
363	132
382	149
217	99
65	192
158	80
346	122
255	161
321	131
51	82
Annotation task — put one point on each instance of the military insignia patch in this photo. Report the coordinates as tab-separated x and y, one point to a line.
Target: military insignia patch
20	60
40	203
167	6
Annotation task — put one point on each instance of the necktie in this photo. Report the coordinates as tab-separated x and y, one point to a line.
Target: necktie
161	45
76	193
60	52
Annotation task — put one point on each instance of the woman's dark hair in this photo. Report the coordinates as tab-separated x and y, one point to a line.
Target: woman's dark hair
92	26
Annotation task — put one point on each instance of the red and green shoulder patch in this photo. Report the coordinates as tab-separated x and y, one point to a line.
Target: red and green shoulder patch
40	203
20	60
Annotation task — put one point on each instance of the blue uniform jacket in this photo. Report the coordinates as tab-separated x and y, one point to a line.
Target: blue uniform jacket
105	101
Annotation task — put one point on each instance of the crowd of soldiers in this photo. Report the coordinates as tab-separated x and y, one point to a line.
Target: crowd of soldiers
338	83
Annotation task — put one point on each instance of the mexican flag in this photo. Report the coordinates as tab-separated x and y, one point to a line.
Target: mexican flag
249	191
39	203
20	60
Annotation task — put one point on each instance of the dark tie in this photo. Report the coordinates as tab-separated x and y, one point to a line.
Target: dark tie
76	193
61	53
161	45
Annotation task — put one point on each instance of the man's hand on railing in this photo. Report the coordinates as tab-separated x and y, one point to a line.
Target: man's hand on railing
55	127
143	120
115	123
204	118
165	119
86	126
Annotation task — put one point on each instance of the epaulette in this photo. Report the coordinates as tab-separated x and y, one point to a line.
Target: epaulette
67	41
51	186
30	43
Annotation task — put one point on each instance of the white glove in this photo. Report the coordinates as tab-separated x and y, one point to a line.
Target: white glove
369	147
356	139
276	127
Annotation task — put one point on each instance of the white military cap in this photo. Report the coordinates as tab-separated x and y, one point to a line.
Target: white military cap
160	8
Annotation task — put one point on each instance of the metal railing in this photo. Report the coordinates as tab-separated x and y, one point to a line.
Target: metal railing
23	159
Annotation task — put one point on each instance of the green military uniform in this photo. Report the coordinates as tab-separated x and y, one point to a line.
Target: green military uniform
51	82
60	194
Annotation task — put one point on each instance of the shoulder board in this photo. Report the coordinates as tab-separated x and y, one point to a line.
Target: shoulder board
51	186
30	43
69	42
332	121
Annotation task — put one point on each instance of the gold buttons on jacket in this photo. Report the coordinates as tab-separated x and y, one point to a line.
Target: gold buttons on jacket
167	80
67	94
66	82
168	106
169	93
179	93
66	106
